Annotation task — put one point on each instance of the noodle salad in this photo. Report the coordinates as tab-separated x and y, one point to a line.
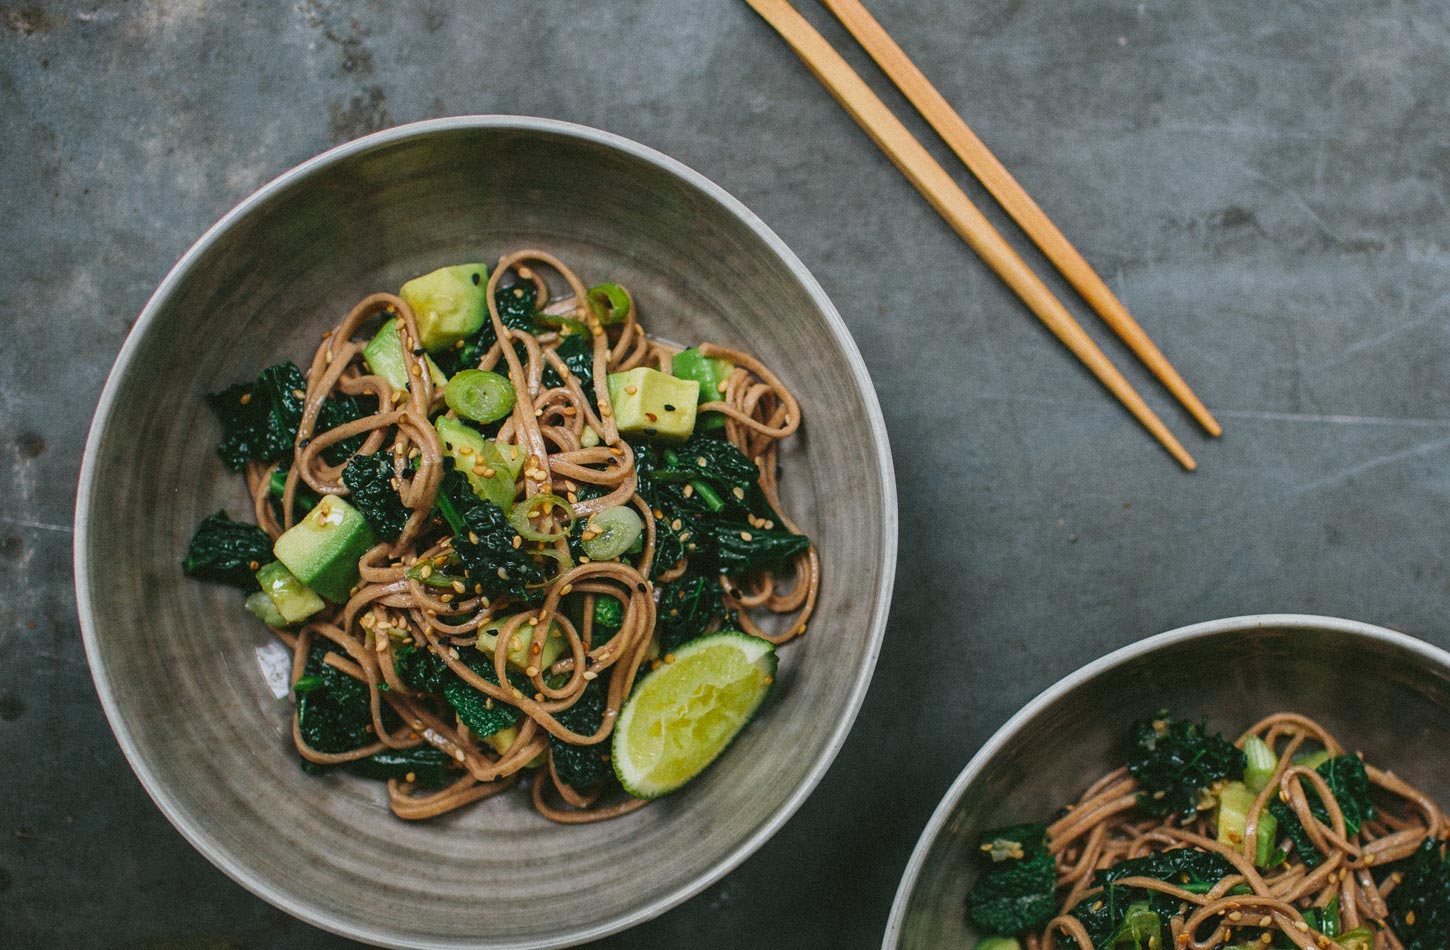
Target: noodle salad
511	539
1279	840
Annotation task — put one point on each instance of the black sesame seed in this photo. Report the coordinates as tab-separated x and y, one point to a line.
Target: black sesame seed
304	443
419	351
641	588
669	408
477	279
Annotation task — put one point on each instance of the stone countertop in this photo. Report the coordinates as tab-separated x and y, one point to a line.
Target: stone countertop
1265	186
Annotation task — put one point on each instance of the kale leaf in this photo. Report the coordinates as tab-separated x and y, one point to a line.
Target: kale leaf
1015	891
333	716
429	766
1177	763
425	671
582	766
688	606
260	419
1105	916
711	491
482	714
1349	784
608	618
577	353
484	540
732	548
227	551
370	479
1424	897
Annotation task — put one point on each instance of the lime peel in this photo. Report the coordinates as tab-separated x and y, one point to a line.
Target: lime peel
688	711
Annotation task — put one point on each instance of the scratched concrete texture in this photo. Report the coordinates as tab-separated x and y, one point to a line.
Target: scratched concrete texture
1265	186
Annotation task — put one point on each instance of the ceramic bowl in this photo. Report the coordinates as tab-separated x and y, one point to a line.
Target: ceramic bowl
188	680
1380	692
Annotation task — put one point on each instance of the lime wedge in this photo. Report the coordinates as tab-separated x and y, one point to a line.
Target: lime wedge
684	714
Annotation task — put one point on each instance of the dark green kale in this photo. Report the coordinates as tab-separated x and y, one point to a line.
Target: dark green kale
688	607
260	419
1423	897
670	541
734	548
482	714
1349	784
333	714
421	669
1106	916
1014	892
425	671
711	491
428	766
370	479
227	551
1177	764
517	311
577	353
582	766
484	541
608	618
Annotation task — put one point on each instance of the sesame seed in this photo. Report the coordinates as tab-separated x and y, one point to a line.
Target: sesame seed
446	598
518	542
253	565
1410	918
246	398
459	755
478	469
426	571
410	777
299	393
473	536
746	536
465	450
669	658
503	575
652	417
669	408
488	472
738	492
632	389
458	587
689	490
722	386
676	525
591	675
700	461
606	412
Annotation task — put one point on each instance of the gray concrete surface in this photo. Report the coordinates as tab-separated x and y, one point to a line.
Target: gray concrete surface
1264	184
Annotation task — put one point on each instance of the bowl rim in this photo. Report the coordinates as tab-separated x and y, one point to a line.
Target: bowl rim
1197	631
195	831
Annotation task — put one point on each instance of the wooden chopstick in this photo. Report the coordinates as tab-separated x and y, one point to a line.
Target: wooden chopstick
1014	198
951	203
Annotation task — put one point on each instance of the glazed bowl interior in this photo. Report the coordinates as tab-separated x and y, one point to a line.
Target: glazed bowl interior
1381	693
184	673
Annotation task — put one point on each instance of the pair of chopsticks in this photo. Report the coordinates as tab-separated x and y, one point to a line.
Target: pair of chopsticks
929	178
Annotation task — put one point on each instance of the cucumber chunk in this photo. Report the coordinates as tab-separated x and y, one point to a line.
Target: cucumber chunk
449	304
649	403
289	598
323	548
384	356
488	471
